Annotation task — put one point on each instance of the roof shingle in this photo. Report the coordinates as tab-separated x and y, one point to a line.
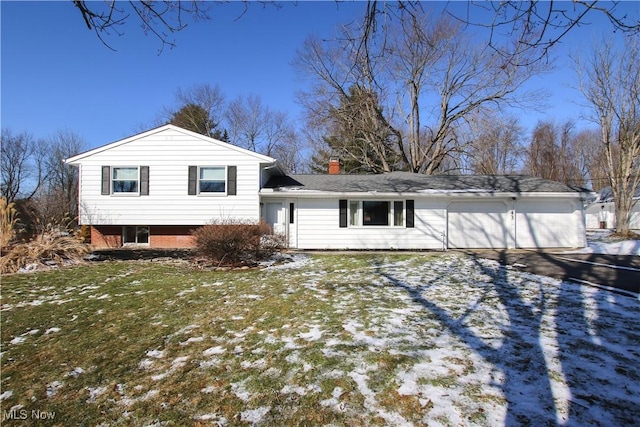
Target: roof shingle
407	182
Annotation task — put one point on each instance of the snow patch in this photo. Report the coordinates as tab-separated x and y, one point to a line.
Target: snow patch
254	415
17	340
212	351
215	419
156	354
76	372
53	388
625	247
95	392
314	334
240	390
192	340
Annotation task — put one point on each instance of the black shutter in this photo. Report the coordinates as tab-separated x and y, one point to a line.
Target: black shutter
343	213
410	214
106	180
232	171
144	180
193	180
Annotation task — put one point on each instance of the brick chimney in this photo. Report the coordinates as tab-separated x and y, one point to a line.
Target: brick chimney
334	166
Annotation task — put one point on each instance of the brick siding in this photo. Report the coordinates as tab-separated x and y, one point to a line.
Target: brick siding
174	236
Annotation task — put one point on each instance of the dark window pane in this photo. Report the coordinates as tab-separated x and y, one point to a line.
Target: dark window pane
129	235
375	213
212	186
142	234
125	186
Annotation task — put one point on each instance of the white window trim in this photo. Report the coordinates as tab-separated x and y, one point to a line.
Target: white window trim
210	193
124	194
360	213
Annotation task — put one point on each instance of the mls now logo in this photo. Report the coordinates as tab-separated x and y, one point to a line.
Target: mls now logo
23	414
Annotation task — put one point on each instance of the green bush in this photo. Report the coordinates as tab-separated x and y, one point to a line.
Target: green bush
233	242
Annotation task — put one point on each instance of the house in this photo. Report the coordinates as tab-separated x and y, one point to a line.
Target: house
601	213
154	188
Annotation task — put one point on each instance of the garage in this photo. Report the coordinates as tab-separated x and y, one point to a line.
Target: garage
548	224
479	224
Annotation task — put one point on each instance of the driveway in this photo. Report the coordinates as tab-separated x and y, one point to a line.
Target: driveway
616	271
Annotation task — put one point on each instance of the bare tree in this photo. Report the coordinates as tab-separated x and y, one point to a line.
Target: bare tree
56	203
553	154
257	127
247	118
448	72
160	18
360	135
22	165
591	157
419	44
537	26
344	111
495	145
532	27
201	109
610	82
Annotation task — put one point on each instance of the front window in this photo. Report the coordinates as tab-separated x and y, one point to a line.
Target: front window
376	213
125	180
212	180
135	235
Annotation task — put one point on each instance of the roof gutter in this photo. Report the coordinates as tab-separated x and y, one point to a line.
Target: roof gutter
317	194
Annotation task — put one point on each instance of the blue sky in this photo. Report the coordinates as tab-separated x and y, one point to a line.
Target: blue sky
57	75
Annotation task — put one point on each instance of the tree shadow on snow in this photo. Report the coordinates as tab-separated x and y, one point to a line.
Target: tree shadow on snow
519	358
544	381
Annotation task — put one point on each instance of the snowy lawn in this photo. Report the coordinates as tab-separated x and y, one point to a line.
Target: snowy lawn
602	242
364	339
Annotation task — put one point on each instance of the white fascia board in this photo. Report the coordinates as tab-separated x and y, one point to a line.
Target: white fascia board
476	194
75	159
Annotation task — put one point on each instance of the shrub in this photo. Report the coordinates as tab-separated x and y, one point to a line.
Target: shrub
84	234
233	242
48	247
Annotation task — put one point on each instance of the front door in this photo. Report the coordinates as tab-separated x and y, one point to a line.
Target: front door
275	217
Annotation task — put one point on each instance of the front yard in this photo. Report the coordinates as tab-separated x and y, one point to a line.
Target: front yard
364	339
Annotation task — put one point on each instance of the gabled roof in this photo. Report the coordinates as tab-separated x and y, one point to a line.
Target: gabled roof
606	195
406	182
78	157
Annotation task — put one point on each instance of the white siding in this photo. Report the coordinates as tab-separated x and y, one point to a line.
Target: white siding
168	154
549	224
318	227
606	212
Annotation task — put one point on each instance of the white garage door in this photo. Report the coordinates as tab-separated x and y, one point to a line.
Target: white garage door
548	224
479	225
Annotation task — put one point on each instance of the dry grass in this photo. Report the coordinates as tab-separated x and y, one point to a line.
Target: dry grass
8	222
48	247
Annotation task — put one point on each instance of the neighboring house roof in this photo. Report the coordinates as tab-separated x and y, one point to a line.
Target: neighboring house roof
406	182
77	157
606	195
